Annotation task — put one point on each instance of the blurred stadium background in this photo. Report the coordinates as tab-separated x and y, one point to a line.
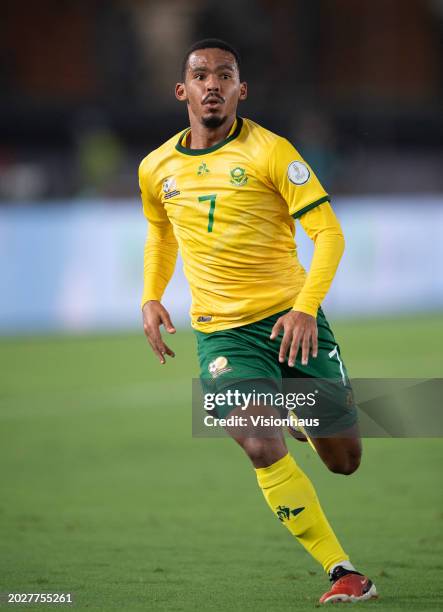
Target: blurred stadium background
87	417
87	92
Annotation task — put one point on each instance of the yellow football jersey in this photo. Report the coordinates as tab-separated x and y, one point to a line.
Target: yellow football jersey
230	209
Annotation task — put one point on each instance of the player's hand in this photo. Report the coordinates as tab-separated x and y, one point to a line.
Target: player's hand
154	315
300	331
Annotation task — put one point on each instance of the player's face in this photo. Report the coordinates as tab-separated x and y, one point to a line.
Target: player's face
212	87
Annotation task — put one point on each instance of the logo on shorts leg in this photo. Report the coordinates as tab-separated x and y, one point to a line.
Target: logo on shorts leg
219	366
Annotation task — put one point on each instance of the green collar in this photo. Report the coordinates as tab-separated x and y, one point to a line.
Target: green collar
188	151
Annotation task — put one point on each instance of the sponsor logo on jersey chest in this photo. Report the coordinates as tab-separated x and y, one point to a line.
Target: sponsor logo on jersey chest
202	169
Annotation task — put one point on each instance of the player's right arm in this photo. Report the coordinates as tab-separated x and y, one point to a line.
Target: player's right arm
160	255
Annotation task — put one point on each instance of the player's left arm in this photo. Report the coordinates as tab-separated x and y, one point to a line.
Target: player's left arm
323	228
307	201
300	324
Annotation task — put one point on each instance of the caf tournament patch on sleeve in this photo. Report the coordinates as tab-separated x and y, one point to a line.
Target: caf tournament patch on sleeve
298	173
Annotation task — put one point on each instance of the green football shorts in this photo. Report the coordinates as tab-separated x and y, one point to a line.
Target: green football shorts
245	357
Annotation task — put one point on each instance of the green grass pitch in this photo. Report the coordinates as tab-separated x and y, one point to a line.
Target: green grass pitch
104	493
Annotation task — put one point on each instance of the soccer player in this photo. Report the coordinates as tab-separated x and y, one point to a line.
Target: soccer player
226	192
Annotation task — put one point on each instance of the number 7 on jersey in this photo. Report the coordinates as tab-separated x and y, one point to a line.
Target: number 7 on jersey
211	199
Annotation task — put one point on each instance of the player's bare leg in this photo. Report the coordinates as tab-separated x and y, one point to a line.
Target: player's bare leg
341	454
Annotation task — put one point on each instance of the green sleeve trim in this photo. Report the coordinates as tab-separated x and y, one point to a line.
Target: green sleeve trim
309	207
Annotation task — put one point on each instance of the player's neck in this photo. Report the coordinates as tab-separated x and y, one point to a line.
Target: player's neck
201	137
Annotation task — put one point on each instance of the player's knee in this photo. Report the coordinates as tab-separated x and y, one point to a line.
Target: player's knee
346	465
261	451
255	448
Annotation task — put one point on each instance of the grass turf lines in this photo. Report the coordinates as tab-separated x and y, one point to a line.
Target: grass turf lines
104	493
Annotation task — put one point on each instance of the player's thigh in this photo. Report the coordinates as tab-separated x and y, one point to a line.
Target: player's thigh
236	360
327	376
242	361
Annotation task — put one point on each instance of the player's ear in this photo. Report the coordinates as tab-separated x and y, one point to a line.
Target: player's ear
243	91
180	92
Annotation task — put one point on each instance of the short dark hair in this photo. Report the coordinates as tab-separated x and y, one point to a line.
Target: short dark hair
210	43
